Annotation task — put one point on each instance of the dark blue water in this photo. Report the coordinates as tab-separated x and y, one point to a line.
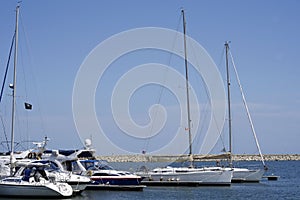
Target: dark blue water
286	187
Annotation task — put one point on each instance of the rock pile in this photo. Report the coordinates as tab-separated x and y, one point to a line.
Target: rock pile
169	158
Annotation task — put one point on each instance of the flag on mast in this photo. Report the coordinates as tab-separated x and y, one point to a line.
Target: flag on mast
28	106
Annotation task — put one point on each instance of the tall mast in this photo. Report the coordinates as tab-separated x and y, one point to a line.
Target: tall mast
229	104
187	85
14	89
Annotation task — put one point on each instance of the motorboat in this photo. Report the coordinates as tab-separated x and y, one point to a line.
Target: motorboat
34	182
55	172
84	162
101	173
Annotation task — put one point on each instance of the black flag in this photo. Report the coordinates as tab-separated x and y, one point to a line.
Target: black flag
28	106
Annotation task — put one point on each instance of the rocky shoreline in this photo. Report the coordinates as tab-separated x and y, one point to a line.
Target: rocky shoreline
180	158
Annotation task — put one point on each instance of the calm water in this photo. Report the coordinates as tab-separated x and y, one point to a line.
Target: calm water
286	187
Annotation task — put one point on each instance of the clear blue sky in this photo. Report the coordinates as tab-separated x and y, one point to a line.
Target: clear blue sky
56	36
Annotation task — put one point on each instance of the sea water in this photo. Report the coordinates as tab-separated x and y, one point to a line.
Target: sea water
286	187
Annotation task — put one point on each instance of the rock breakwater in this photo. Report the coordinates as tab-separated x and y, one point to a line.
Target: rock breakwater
180	158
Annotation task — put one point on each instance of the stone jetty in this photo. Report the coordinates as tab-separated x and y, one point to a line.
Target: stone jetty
180	158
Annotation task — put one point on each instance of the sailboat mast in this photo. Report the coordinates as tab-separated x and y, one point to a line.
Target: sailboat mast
14	89
187	84
229	104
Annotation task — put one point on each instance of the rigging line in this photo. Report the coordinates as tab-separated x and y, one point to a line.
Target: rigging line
247	110
219	127
2	122
7	65
33	78
27	50
22	55
205	89
162	89
221	136
25	130
23	68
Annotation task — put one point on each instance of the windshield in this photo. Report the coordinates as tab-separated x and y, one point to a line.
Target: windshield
51	165
95	164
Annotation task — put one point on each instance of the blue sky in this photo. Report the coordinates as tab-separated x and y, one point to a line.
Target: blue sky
56	36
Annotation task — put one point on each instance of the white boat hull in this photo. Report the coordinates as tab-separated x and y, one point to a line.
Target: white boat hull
78	187
246	175
26	189
188	176
77	182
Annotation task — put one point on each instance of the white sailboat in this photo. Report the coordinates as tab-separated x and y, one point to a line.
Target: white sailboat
172	176
15	186
241	174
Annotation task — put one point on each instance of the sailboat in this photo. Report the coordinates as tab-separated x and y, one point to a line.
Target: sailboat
241	174
188	176
16	186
